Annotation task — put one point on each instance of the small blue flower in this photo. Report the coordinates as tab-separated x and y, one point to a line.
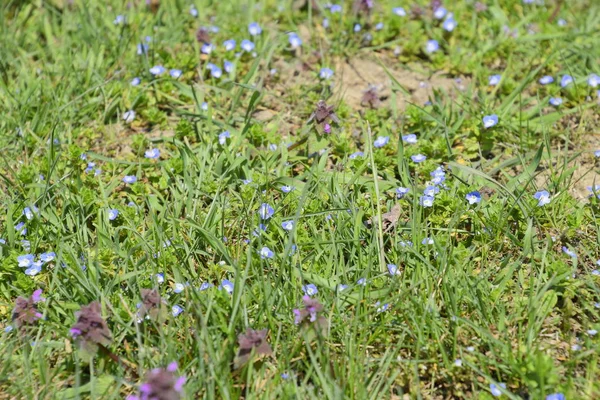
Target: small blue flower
382	308
393	269
178	288
379	26
265	211
129	116
357	28
406	243
432	46
265	252
223	136
335	8
493	80
216	72
325	23
449	24
418	158
205	286
25	260
119	20
2	241
410	139
401	192
8	329
254	29
142	48
566	80
175	73
556	396
246	181
427	241
325	73
227	285
341	287
152	153
129	179
592	332
135	81
310	290
35	269
381	141
473	197
593	80
193	11
555	101
287	225
287	188
543	197
546	79
229	44
561	22
90	166
361	154
490	120
207	48
176	310
431	191
294	40
285	375
440	12
399	11
228	66
20	227
247	45
426	201
569	252
597	153
495	390
29	213
361	282
157	70
204	106
113	214
458	362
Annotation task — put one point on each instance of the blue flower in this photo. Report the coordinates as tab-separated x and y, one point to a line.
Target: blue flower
399	11
113	214
361	282
440	12
556	396
494	79
473	197
228	66
561	22
449	24
357	28
426	201
193	11
379	26
265	211
129	179
569	252
410	139
135	81
29	213
129	116
401	192
325	23
431	191
341	287
335	8
361	154
175	73
546	79
592	332
593	80
206	48
35	269
229	44
294	40
142	48
119	20
216	72
310	289
543	197
246	181
160	278
247	45
254	29
265	252
178	288
90	166
490	120
287	188
157	70
205	286
287	225
204	106
325	73
432	46
25	260
176	310
152	153
381	141
223	136
427	241
495	390
2	241
566	80
20	227
406	243
417	158
555	101
393	269
227	285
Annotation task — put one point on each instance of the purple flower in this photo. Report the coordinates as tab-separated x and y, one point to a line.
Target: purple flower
25	313
152	305
555	101
381	141
152	153
90	328
265	252
543	197
309	315
252	342
546	79
129	179
432	46
310	290
494	79
401	192
473	197
161	384
490	120
426	201
566	80
265	211
254	29
418	158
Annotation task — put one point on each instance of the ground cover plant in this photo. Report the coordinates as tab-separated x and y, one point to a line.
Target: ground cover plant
370	199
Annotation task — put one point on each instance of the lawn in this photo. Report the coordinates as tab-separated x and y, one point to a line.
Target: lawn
297	199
